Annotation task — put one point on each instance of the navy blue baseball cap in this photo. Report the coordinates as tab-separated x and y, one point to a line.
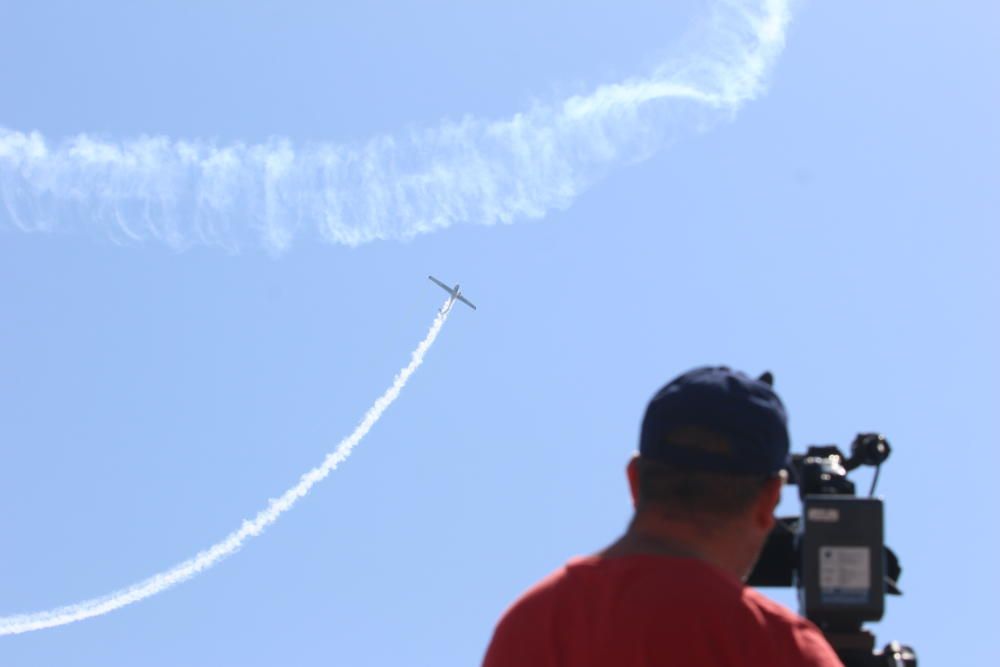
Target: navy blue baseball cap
714	419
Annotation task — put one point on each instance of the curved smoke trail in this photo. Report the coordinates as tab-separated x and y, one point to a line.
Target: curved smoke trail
17	624
392	187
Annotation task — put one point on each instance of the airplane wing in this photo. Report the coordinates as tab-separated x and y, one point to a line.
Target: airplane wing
435	280
466	302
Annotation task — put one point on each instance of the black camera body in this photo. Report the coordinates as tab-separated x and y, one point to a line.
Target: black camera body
841	578
834	553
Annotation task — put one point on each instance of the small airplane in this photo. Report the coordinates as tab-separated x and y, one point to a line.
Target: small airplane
454	291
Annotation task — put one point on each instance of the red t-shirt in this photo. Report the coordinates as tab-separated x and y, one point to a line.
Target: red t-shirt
651	611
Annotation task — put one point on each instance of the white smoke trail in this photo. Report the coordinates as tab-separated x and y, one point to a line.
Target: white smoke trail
473	170
17	624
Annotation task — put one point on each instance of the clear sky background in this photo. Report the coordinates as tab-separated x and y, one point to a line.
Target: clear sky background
841	231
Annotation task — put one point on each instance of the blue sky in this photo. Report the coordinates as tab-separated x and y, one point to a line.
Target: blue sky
841	231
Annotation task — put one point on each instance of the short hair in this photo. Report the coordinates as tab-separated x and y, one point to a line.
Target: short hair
683	493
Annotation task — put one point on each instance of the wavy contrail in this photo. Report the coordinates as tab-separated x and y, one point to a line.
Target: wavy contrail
476	171
12	625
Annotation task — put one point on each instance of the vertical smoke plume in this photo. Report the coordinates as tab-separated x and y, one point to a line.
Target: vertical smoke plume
189	192
17	624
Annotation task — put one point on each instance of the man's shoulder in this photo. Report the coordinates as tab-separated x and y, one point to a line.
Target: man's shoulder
790	631
519	638
540	595
773	614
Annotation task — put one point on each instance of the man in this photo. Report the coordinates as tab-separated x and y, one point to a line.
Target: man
670	591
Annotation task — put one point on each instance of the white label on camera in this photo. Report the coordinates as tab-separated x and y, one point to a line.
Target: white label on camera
823	514
845	570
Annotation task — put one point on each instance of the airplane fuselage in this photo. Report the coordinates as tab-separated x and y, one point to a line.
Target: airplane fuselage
456	292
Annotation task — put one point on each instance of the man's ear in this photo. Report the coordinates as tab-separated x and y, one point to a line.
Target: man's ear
767	501
632	472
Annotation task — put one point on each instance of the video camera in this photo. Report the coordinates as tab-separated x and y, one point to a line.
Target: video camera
834	553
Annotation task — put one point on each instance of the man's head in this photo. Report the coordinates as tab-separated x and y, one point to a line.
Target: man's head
713	446
713	419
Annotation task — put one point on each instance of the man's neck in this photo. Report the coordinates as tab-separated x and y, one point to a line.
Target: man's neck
663	537
637	542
